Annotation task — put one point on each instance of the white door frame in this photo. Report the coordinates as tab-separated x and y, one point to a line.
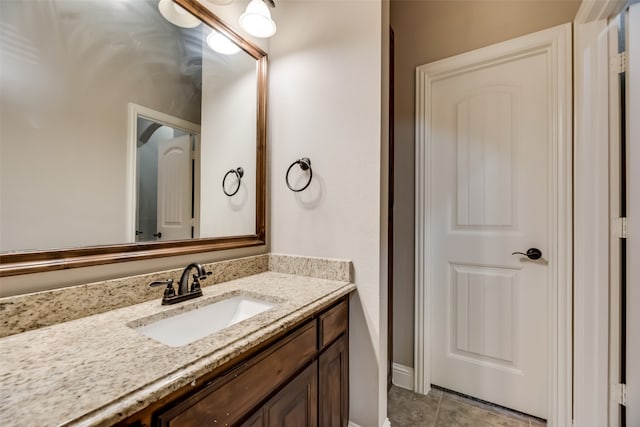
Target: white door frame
596	261
633	215
556	44
591	224
135	111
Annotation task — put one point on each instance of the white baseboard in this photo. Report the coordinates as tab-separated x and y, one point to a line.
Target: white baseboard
402	376
386	423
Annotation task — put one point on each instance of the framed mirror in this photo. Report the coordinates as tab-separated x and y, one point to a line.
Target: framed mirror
129	131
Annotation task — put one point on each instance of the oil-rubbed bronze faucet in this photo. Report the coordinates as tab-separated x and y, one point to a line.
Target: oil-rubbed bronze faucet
183	286
184	291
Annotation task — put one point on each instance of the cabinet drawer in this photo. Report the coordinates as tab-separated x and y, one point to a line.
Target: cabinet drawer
235	394
333	323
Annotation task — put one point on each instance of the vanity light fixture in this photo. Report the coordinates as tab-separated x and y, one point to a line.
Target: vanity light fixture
221	44
175	14
256	20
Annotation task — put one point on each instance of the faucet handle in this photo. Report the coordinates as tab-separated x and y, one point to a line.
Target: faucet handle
204	276
195	285
169	291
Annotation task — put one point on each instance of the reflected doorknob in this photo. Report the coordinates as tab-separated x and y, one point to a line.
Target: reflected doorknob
532	253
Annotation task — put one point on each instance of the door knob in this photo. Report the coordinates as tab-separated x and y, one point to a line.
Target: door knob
532	253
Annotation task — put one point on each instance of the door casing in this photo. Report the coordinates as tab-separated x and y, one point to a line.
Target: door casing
596	340
556	44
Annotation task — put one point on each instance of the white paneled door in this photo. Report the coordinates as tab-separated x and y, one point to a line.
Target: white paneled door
174	188
489	173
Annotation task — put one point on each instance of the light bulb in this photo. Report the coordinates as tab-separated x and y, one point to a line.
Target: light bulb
256	20
221	44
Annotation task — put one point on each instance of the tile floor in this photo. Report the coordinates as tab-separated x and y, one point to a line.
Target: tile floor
443	409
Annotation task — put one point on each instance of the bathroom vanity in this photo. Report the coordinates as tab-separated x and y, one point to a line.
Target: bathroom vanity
305	370
288	364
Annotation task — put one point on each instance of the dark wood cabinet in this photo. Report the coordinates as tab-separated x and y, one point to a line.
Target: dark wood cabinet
231	396
333	323
333	396
299	379
257	420
296	404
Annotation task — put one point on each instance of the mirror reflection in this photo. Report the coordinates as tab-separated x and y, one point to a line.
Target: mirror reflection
166	179
118	126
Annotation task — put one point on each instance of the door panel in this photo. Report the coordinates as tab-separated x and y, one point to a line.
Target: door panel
488	176
483	312
484	160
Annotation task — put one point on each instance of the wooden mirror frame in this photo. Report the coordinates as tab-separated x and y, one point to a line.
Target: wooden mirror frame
25	262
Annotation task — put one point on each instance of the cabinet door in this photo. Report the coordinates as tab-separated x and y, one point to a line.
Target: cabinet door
296	405
333	403
257	420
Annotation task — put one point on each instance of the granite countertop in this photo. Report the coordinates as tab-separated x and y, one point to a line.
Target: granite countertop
96	370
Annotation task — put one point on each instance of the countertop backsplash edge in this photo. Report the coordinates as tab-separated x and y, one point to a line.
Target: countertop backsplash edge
319	268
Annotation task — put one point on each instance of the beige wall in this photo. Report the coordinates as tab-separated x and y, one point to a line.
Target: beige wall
326	104
426	31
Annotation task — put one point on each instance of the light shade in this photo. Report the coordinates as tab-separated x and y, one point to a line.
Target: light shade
221	44
177	15
256	20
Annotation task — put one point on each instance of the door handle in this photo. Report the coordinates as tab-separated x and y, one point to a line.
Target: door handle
532	253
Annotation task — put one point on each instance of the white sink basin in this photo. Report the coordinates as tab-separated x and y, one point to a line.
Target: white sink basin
190	326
